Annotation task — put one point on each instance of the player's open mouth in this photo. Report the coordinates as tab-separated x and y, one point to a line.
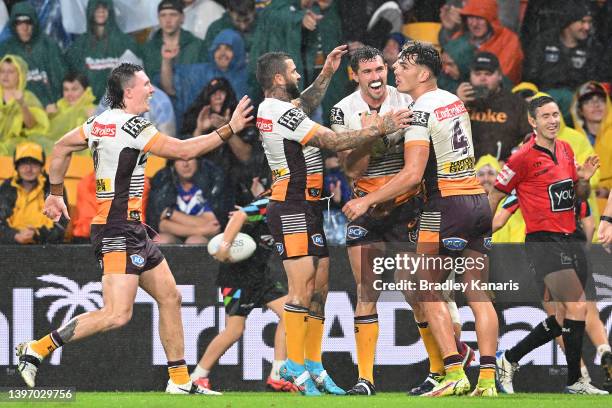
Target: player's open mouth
376	85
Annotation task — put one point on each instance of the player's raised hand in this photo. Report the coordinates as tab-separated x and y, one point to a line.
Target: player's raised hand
242	115
332	62
590	166
55	207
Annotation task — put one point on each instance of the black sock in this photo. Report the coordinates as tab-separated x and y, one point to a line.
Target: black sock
573	332
541	334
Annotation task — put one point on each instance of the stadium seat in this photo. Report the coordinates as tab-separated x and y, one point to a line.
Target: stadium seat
6	167
426	32
154	164
80	166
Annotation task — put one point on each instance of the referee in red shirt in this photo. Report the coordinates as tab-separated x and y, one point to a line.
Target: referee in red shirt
546	178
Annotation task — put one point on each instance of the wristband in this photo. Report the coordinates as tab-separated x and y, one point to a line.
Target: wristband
57	189
225	132
605	218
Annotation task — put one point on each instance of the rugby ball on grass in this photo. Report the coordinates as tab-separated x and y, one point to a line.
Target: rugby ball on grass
242	247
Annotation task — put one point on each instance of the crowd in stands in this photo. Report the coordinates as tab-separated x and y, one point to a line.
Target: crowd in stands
496	54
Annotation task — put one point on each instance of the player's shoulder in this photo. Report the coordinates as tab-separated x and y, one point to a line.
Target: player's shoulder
346	107
397	98
433	100
273	106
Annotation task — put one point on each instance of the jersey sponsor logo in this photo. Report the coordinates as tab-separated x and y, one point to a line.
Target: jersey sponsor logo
318	240
137	260
356	232
336	117
102	130
454	243
561	195
505	175
461	165
276	173
280	248
292	119
450	111
103	185
135	126
488	116
264	125
420	118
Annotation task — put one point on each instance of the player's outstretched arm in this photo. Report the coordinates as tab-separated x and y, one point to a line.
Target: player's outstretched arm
236	221
312	96
72	141
172	148
375	127
407	180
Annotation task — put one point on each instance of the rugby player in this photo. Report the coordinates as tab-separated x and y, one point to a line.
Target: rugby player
544	174
121	141
370	167
456	219
291	142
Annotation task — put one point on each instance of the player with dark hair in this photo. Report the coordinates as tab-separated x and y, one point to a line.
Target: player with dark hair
546	178
121	142
456	219
291	142
371	166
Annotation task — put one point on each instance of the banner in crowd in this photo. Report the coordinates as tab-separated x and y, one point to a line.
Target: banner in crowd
44	287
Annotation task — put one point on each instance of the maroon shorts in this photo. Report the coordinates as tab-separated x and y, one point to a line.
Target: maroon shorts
124	248
297	228
451	224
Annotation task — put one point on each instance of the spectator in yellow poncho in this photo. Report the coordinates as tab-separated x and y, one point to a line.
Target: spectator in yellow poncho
511	226
76	105
592	113
21	114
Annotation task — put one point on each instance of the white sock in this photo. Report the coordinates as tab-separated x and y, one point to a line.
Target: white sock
602	348
199	372
276	365
585	373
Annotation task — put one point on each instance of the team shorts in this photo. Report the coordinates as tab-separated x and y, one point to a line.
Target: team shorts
124	248
241	301
448	225
550	252
401	226
297	228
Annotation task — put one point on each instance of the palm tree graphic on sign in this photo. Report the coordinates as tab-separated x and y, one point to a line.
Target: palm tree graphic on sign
71	296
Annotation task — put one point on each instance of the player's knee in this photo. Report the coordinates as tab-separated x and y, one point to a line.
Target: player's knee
576	309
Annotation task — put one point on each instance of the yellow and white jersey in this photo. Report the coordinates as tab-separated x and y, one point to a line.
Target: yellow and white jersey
387	156
119	143
441	121
297	169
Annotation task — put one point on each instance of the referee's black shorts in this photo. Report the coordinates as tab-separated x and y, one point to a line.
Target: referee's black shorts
550	252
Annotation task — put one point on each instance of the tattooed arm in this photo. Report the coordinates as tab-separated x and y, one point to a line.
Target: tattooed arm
374	128
312	96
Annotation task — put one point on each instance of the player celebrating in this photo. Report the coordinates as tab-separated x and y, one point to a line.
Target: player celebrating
456	219
245	286
120	142
291	142
372	166
544	174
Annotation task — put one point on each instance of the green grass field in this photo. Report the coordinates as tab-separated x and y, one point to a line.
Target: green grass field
263	399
